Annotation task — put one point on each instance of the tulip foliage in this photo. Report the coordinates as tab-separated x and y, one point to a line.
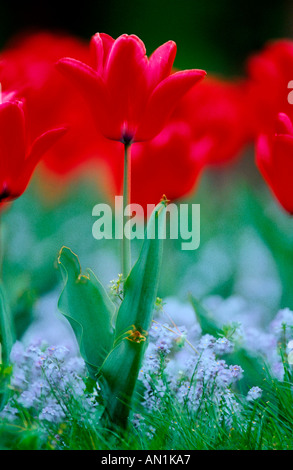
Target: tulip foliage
112	340
7	338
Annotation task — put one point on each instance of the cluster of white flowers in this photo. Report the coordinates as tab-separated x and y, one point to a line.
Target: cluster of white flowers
197	372
43	378
180	361
193	373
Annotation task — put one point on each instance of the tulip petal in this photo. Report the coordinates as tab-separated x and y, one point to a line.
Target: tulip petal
155	167
43	143
126	80
283	168
93	88
282	155
100	46
263	155
163	100
38	149
275	162
12	139
161	62
283	124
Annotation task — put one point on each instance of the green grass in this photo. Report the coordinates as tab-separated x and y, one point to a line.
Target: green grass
255	426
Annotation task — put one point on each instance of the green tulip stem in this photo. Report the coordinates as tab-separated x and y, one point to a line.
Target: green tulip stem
1	248
126	243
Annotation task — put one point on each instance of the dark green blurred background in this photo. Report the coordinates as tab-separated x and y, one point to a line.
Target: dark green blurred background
214	35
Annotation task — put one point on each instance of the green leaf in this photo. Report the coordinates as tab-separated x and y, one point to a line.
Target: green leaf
89	310
207	323
118	378
7	337
118	375
141	286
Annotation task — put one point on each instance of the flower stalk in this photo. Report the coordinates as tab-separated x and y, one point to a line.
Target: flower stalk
126	244
1	247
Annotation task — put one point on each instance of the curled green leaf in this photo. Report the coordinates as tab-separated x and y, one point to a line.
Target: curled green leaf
88	308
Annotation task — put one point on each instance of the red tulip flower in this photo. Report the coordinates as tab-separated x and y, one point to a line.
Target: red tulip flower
130	95
269	73
169	164
274	158
17	160
217	113
27	65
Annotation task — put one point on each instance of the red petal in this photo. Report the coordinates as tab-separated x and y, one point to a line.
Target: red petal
12	140
161	62
126	80
263	157
282	155
93	88
43	143
201	149
283	170
284	125
163	100
155	168
101	45
38	149
275	162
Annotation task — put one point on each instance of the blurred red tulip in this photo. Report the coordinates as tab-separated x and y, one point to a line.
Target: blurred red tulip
169	164
17	160
130	95
217	113
269	73
27	65
207	127
274	158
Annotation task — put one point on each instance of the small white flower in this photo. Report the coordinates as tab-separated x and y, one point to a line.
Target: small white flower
254	393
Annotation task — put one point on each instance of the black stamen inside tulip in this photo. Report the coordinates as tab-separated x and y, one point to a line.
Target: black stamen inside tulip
126	139
5	193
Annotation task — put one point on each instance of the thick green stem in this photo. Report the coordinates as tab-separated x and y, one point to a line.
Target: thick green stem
1	248
126	243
